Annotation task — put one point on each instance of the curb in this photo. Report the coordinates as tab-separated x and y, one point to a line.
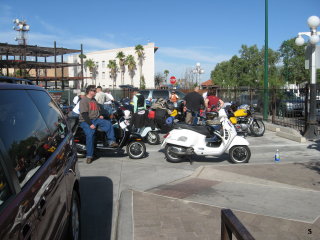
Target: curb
285	132
124	228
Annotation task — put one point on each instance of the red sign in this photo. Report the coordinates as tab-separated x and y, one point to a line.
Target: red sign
173	80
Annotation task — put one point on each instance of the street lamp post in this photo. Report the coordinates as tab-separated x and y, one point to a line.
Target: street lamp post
313	35
198	70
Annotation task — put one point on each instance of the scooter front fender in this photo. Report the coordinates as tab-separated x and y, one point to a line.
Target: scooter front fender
238	141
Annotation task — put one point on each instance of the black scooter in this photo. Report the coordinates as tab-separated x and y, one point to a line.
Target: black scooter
135	147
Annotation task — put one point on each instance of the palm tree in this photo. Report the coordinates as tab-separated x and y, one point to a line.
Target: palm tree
91	66
166	73
140	52
121	58
131	63
112	65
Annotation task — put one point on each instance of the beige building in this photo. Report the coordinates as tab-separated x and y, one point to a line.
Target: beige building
102	74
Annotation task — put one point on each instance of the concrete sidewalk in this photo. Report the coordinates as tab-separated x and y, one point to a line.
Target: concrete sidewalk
274	201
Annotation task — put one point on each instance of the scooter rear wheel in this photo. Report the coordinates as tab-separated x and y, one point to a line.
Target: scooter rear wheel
170	156
153	138
136	149
239	154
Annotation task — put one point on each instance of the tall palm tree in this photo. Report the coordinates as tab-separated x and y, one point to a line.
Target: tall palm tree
166	73
131	63
112	65
121	58
140	52
91	66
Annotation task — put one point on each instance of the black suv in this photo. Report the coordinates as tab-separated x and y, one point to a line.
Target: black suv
39	176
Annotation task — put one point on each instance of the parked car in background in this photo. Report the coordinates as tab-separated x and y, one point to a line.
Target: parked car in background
153	94
289	105
39	177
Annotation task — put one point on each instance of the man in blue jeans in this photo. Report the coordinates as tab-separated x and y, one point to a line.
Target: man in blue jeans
90	118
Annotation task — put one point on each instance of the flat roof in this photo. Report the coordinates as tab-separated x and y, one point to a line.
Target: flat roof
33	50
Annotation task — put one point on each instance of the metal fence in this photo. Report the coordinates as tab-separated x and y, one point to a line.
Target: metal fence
286	107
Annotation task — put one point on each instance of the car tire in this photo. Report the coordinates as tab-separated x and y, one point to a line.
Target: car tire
74	225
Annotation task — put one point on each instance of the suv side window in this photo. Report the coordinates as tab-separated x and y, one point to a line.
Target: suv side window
51	115
5	191
24	133
160	94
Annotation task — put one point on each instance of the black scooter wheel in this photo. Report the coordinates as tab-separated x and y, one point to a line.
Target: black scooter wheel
136	150
153	138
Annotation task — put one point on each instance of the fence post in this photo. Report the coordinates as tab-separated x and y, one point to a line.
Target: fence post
306	107
273	104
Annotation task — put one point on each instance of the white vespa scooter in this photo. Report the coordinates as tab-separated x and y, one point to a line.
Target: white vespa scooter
187	140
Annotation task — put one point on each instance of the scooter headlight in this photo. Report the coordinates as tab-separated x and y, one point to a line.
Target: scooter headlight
182	139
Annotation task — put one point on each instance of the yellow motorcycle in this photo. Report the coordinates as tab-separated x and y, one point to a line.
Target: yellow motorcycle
244	121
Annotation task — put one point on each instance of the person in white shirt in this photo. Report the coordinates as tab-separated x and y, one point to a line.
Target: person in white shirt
76	98
109	97
204	95
100	96
76	111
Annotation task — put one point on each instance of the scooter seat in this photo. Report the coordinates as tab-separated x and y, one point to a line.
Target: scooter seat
204	130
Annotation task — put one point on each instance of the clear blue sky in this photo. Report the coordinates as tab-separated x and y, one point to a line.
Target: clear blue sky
186	32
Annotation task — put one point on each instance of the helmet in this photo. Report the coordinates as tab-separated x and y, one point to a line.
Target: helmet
169	120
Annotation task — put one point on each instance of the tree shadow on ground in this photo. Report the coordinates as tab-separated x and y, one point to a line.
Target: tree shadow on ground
96	207
315	166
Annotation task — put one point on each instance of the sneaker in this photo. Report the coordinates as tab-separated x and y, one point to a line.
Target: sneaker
89	160
114	145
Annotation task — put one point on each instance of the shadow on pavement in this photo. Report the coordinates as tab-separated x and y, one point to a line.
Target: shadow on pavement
315	145
96	207
196	158
315	166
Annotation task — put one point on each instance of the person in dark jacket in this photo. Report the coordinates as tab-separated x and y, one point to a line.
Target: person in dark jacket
90	118
193	102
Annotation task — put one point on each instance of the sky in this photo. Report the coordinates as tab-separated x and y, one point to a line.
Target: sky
186	32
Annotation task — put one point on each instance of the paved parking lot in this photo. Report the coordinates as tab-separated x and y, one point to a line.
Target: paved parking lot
103	181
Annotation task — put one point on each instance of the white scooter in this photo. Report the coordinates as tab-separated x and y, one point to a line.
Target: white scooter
188	140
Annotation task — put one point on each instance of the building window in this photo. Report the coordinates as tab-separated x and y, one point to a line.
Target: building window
97	64
103	64
103	75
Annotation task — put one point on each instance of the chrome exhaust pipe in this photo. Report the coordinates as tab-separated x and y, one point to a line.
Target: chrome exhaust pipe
181	151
